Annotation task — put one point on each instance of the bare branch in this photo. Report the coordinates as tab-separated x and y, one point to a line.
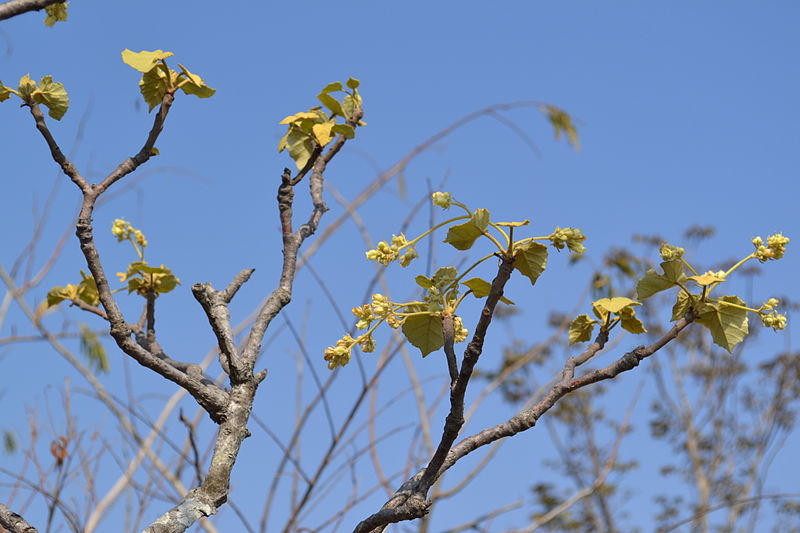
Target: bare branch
12	8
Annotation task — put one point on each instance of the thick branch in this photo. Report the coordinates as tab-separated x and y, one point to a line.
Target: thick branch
455	419
18	7
13	522
215	304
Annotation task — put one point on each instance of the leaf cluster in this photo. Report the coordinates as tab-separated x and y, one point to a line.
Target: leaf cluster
421	321
311	130
47	92
158	79
726	317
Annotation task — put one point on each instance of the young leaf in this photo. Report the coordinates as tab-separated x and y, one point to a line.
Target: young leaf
706	279
153	86
331	103
93	350
444	276
55	13
297	118
481	288
196	85
530	258
5	92
322	132
353	83
332	87
9	442
344	129
53	96
300	147
144	61
463	236
615	305
425	332
728	325
562	124
87	290
580	330
630	322
682	304
653	282
424	281
26	87
56	295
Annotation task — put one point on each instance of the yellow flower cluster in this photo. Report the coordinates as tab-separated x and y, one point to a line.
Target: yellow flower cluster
442	199
770	317
669	252
775	248
124	231
385	253
460	333
571	237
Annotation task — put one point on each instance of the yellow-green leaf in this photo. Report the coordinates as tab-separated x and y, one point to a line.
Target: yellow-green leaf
481	288
87	290
444	276
513	224
580	330
424	281
300	147
154	85
55	13
144	61
26	87
5	92
615	305
53	96
682	304
322	132
331	103
195	85
284	142
562	124
353	83
333	87
425	332
463	236
344	129
93	350
728	325
530	258
705	280
56	295
349	105
9	442
299	117
630	322
653	283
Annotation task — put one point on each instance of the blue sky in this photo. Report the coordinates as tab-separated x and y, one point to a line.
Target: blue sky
687	114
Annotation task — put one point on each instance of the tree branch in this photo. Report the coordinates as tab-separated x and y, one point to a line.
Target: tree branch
13	8
13	522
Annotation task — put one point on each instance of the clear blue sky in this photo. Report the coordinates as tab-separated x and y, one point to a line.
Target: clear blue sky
687	112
